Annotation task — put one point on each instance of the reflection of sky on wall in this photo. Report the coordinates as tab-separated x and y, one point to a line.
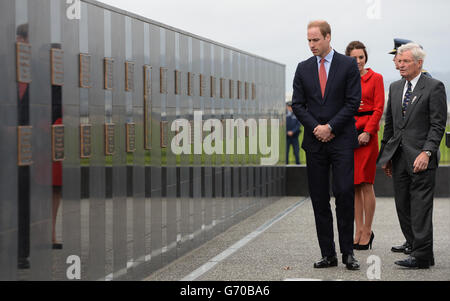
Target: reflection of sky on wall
276	29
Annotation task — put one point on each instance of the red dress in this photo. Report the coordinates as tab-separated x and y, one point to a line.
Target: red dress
372	100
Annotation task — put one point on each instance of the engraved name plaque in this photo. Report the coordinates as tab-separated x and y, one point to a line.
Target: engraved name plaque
147	80
109	73
246	91
190	84
129	76
58	142
85	141
202	85
57	65
23	62
239	89
231	89
222	88
212	81
147	122
85	70
131	137
163	134
163	80
109	139
177	82
24	148
253	91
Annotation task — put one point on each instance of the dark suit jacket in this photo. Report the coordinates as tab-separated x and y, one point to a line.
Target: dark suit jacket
337	108
424	123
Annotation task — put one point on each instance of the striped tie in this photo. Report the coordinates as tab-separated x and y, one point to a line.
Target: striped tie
407	99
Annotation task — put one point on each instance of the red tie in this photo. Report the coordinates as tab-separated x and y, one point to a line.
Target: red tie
322	77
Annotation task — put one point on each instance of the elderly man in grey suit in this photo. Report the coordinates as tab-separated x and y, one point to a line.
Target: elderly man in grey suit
416	116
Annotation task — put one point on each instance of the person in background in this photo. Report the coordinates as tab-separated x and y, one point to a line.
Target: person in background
367	125
293	130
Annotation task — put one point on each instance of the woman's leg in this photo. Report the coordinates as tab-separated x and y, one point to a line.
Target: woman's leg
369	212
359	214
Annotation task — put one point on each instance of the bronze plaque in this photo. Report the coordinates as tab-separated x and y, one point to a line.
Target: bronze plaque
147	122
23	62
212	81
147	80
163	80
57	65
58	142
129	76
131	137
239	89
202	85
231	89
85	70
163	134
177	82
24	146
246	91
253	91
109	139
190	84
222	88
109	73
85	141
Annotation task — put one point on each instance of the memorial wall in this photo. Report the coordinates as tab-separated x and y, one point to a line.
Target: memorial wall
106	128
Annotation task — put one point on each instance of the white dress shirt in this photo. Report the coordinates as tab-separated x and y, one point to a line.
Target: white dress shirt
413	85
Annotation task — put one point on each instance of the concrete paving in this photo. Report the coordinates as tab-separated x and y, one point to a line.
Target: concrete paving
276	245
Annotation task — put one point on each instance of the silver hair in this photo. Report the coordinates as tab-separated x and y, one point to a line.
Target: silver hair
416	51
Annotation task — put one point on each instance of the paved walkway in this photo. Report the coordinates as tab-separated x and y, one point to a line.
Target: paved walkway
279	243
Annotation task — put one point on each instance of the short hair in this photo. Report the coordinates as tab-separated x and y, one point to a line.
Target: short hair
416	51
323	25
356	45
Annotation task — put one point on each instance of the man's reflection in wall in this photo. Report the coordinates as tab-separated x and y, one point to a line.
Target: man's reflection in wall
23	119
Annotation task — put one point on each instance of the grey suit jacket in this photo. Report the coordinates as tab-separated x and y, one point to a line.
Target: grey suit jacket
423	126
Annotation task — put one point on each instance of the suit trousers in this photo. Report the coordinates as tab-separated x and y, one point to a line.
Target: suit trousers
414	194
341	164
294	142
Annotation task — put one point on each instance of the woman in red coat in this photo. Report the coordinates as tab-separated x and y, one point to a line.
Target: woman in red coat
367	125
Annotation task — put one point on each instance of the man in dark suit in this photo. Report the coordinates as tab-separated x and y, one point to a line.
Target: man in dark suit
416	116
293	130
327	94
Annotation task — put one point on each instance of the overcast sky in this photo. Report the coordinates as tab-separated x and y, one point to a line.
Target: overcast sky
276	29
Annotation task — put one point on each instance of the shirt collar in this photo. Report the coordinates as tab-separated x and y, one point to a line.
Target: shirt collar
328	58
414	81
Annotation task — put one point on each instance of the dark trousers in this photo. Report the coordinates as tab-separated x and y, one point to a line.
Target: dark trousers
414	203
24	212
319	164
294	142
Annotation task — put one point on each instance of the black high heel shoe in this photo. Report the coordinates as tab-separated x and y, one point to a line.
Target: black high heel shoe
366	247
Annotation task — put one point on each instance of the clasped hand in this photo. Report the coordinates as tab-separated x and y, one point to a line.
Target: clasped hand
323	133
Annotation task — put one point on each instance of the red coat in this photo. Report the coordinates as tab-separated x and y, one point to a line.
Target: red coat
372	100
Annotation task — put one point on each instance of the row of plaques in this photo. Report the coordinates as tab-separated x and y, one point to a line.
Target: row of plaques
25	140
245	90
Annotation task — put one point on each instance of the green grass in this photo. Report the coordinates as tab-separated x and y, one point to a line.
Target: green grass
445	151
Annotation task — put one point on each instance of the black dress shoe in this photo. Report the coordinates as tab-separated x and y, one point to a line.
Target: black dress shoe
23	264
326	262
401	249
350	262
414	263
